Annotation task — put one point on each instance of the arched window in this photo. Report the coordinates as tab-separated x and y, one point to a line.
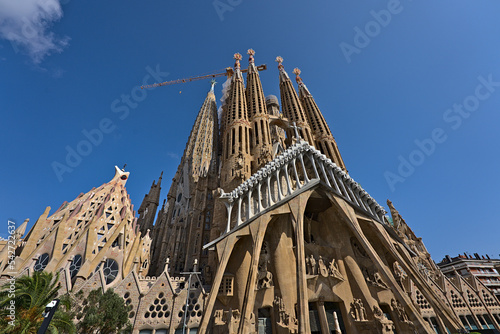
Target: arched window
110	270
75	265
42	262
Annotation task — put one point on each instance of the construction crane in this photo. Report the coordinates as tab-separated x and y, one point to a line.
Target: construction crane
227	72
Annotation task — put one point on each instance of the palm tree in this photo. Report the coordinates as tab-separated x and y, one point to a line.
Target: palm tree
31	294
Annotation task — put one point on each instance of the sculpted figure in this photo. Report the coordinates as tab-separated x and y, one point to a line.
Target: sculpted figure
312	261
322	270
399	274
334	271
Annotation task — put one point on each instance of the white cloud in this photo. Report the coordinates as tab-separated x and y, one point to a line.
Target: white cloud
26	23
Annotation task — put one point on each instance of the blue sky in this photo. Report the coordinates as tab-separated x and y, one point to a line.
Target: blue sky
410	89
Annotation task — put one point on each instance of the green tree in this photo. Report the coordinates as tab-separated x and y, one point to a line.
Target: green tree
30	296
103	313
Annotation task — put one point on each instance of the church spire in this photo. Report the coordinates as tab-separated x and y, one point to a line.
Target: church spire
323	138
251	62
260	138
236	128
199	151
204	136
290	104
149	205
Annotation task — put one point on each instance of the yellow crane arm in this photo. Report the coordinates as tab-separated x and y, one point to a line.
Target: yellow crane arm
228	72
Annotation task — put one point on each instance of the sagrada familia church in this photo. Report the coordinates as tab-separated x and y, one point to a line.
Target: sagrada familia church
263	231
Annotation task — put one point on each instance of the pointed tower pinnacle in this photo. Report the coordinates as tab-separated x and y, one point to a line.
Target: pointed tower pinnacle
259	136
183	225
147	210
212	82
203	136
237	67
323	138
198	153
235	136
291	106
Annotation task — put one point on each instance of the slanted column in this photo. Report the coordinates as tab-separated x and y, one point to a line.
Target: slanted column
298	206
270	199
306	178
229	207
324	174
287	177
336	186
313	162
249	198
259	197
297	179
277	174
238	219
342	186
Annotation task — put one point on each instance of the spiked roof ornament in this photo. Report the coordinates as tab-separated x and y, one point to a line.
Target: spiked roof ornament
279	60
212	82
297	72
237	57
251	52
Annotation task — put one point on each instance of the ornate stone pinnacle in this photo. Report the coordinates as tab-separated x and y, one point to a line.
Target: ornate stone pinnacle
212	82
251	52
237	57
296	71
279	60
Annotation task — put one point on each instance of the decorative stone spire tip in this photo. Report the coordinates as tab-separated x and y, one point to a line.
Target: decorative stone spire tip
237	57
251	53
297	72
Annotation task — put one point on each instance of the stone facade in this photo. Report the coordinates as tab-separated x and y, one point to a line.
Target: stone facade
263	231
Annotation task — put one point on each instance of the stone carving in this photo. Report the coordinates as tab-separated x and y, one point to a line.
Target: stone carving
334	270
219	318
399	274
385	325
235	314
358	311
322	269
284	319
265	155
264	277
378	280
424	270
374	278
377	312
396	306
311	265
328	269
240	167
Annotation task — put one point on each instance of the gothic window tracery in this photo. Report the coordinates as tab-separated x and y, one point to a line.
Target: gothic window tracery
75	265
41	262
110	270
